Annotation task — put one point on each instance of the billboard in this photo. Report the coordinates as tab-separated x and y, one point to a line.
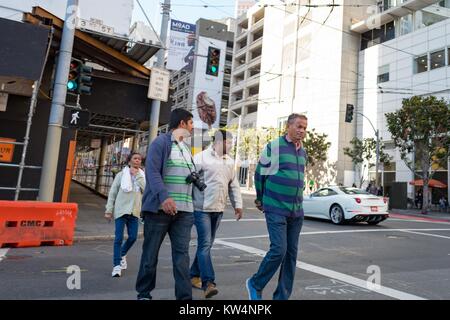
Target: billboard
208	85
111	17
181	46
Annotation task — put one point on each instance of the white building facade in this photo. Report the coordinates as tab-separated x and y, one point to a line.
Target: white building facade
407	54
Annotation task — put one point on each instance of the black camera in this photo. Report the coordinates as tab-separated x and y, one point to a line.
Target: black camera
194	178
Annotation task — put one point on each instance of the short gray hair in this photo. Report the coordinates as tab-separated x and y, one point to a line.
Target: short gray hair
294	116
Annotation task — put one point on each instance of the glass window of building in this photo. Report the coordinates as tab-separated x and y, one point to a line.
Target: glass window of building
448	56
421	64
389	32
445	3
428	16
437	59
383	74
405	24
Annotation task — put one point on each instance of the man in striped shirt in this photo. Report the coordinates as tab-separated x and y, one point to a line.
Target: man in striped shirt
279	181
167	206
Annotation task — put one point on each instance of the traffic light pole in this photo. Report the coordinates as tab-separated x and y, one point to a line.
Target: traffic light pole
54	132
377	135
156	104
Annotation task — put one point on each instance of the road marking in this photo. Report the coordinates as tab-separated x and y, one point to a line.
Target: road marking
389	219
242	220
3	253
330	274
428	234
337	232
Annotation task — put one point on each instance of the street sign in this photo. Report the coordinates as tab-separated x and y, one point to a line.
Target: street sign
78	118
96	25
3	101
6	150
159	84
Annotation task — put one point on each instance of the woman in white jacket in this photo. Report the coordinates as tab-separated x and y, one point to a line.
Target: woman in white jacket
124	202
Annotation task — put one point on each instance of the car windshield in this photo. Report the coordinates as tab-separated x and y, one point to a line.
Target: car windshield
353	190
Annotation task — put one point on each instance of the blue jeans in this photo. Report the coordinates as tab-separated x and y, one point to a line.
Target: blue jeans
206	224
132	224
156	226
284	235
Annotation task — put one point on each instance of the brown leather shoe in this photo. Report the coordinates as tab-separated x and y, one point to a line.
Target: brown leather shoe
211	290
196	282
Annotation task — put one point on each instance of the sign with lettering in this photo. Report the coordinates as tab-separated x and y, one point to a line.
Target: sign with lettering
6	149
159	84
181	46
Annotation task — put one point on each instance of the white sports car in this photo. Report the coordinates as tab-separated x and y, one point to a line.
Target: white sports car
341	204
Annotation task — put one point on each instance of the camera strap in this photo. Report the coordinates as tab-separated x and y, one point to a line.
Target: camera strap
182	154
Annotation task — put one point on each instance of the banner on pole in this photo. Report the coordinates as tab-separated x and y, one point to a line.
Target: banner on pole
181	46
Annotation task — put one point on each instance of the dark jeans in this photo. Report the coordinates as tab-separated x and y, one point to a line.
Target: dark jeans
284	235
132	224
156	226
206	224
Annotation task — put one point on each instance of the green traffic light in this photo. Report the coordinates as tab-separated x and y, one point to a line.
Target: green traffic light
71	85
214	69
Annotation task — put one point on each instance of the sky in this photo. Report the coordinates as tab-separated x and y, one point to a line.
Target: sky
185	10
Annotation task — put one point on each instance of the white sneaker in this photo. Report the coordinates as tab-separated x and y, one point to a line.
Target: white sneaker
117	271
123	263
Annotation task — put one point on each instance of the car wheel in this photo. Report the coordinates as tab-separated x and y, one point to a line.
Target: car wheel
337	214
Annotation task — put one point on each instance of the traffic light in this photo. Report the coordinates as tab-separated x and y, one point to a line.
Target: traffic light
85	82
80	78
74	76
349	113
212	66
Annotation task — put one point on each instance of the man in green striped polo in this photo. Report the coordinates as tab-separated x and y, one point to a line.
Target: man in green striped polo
279	181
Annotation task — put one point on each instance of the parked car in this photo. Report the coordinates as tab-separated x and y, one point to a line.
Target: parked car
341	204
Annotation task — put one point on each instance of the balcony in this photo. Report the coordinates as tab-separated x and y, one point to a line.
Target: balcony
241	36
257	44
239	69
258	25
402	8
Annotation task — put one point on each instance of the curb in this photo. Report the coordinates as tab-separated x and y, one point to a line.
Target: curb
422	217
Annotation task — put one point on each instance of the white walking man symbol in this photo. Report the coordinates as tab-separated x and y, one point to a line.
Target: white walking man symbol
75	117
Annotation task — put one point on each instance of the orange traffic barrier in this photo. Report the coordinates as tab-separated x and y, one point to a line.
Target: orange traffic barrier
34	223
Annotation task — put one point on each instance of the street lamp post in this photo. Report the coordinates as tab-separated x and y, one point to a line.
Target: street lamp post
377	161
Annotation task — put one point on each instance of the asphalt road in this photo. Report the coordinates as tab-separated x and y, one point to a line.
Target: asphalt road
334	263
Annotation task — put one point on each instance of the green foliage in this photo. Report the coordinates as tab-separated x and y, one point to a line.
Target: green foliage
365	151
316	147
422	126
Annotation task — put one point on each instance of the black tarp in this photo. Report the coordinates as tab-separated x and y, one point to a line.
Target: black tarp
22	49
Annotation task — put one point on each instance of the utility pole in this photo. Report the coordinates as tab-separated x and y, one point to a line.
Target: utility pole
156	104
54	132
377	135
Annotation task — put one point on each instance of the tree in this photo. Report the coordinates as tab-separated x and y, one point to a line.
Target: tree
422	127
363	155
316	147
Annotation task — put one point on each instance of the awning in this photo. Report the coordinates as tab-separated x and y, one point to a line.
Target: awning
117	54
431	183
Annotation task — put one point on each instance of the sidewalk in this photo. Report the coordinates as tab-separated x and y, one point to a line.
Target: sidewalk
90	224
415	213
